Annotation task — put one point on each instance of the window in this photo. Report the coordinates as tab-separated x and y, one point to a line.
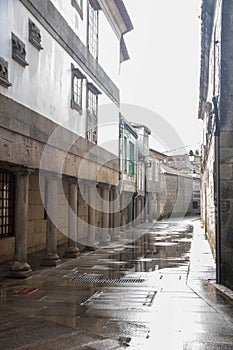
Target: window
196	196
195	205
125	154
93	28
18	50
92	112
4	73
150	170
196	185
157	169
34	35
131	158
7	189
78	4
77	84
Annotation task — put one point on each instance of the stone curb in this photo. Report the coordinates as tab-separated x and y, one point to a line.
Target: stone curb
226	292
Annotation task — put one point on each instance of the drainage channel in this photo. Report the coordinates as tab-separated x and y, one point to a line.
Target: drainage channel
106	280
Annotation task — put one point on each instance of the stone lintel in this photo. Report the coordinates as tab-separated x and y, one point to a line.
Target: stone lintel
21	169
104	186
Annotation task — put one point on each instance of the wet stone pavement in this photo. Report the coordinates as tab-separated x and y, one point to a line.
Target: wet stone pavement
152	290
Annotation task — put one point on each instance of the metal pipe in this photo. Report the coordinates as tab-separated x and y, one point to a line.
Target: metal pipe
217	194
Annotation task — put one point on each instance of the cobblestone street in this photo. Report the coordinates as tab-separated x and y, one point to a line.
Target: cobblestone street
151	293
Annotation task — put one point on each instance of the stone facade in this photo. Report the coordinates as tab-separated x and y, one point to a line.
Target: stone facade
176	193
215	109
226	146
54	163
128	179
154	184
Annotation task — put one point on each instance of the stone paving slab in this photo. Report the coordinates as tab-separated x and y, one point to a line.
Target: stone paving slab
176	307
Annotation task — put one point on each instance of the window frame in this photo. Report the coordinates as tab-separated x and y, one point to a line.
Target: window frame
157	171
92	128
76	74
125	153
131	158
78	7
92	35
196	185
7	203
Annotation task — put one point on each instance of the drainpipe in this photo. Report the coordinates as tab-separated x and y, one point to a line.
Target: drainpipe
145	196
120	157
217	193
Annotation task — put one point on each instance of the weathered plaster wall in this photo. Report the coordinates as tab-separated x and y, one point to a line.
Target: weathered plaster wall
45	84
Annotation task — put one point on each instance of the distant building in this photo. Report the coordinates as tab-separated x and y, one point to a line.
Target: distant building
143	165
154	184
196	206
180	184
129	178
176	192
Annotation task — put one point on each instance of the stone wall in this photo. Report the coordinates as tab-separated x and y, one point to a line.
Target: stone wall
226	145
176	195
24	135
207	196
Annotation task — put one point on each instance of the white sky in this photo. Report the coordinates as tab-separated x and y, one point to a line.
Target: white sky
163	72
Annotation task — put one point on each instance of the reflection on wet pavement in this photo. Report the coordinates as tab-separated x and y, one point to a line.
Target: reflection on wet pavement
141	294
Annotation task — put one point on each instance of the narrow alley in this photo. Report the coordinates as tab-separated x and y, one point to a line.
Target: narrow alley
116	175
153	290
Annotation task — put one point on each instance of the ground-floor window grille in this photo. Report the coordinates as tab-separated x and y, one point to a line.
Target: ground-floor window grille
7	190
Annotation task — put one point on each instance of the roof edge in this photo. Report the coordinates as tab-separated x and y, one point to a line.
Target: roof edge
124	14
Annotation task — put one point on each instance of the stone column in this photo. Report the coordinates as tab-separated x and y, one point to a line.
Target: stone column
116	214
145	207
150	206
72	250
139	209
51	258
20	268
143	210
110	211
91	238
130	211
158	209
122	209
105	237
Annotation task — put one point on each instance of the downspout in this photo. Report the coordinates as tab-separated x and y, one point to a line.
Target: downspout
121	128
217	194
135	194
145	195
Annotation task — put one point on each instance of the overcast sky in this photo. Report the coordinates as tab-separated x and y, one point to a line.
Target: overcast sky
163	72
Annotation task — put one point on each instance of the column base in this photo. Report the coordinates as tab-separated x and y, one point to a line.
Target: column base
20	270
116	236
105	241
51	260
72	252
90	247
